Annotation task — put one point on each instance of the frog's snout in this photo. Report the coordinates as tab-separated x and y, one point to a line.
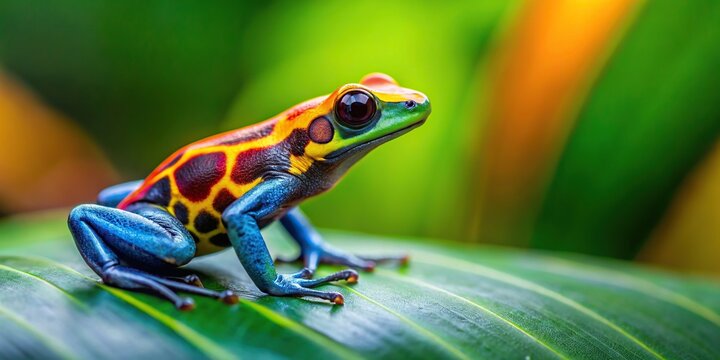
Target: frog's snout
419	106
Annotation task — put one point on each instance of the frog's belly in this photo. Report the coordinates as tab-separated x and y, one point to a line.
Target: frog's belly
207	229
211	242
203	222
203	218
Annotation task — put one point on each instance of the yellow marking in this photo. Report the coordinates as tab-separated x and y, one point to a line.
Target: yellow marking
299	164
318	151
400	96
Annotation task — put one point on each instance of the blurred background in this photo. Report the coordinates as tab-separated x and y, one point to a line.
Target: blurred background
579	126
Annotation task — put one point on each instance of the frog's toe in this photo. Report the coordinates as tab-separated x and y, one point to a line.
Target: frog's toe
331	296
349	275
402	259
185	304
337	257
193	279
299	285
328	255
338	299
229	297
304	274
133	279
225	296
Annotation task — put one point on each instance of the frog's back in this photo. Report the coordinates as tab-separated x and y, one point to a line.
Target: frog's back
200	180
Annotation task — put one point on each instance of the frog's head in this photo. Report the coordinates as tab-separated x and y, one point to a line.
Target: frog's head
357	118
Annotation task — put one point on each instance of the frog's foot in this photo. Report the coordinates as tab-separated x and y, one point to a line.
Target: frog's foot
325	254
132	279
299	284
191	284
191	279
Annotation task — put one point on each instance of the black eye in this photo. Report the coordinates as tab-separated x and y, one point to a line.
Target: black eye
355	109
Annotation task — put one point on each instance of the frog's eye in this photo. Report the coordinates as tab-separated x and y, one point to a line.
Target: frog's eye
355	109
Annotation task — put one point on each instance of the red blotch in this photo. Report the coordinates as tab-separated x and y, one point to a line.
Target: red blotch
249	165
196	177
255	163
222	200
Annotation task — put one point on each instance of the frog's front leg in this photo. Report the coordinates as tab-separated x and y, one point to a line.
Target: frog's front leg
314	251
241	221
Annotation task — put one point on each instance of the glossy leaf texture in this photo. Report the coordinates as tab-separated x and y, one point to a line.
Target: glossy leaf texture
451	301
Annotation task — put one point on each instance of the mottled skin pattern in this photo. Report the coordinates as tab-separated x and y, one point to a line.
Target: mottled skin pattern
220	191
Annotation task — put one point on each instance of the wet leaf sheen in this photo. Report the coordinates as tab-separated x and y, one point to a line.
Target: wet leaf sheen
452	301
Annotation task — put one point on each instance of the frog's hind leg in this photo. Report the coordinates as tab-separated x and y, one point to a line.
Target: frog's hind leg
113	195
314	251
124	247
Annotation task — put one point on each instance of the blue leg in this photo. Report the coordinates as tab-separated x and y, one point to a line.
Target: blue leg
113	195
314	251
123	247
241	220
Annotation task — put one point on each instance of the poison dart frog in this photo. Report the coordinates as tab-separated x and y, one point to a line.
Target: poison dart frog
219	192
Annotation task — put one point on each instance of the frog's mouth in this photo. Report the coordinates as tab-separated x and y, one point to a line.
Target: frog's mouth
367	146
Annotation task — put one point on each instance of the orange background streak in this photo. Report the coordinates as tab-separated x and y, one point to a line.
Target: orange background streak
550	58
44	158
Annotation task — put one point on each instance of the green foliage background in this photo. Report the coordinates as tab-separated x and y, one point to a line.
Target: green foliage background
145	78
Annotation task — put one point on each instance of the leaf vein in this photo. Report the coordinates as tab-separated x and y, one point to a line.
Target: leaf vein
45	282
466	266
425	284
641	285
202	343
59	349
299	328
427	333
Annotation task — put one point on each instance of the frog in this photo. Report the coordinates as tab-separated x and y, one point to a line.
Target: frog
220	192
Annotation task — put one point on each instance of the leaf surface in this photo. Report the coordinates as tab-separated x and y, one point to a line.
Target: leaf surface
452	301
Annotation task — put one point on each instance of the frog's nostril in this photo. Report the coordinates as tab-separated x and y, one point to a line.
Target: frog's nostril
410	104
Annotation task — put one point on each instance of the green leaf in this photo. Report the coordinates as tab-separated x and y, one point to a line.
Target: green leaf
452	301
647	122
